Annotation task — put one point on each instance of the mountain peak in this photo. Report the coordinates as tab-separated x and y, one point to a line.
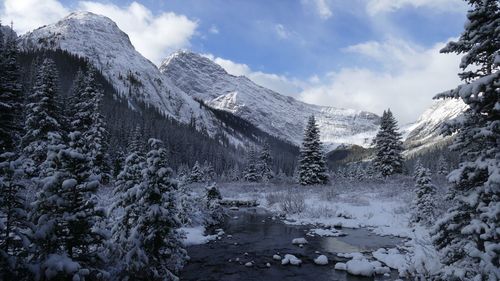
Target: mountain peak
192	61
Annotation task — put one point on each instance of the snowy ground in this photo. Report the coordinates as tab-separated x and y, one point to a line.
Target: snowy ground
384	207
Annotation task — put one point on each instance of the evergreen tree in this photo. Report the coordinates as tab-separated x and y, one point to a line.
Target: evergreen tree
312	169
126	202
442	166
214	212
264	164
425	197
88	120
388	147
196	174
234	174
14	225
467	236
136	142
208	172
156	251
251	173
43	114
66	216
10	93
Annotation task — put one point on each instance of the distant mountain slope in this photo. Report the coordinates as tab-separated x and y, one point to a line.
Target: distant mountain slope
425	131
277	114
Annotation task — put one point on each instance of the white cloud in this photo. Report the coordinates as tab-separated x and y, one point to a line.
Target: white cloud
374	7
281	31
275	82
409	78
321	7
153	35
213	29
30	14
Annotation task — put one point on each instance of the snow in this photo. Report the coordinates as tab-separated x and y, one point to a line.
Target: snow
299	241
196	235
277	257
290	259
55	264
360	267
321	260
324	232
340	266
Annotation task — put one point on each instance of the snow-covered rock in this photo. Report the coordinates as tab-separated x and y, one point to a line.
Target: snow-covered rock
277	257
321	260
279	115
340	266
325	232
299	241
290	259
360	267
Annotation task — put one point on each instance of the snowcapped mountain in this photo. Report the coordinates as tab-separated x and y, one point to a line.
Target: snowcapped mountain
109	49
426	130
279	115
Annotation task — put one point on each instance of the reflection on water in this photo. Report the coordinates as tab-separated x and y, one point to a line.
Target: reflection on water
256	237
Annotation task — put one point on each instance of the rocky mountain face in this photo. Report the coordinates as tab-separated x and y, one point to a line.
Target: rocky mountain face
279	115
426	130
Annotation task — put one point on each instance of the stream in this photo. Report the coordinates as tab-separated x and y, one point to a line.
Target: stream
252	235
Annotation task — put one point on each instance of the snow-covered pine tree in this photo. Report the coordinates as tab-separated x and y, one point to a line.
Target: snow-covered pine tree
14	226
66	216
136	143
424	203
125	205
264	164
156	251
10	93
43	115
388	147
214	212
251	173
208	172
234	173
88	120
312	169
196	174
468	236
442	166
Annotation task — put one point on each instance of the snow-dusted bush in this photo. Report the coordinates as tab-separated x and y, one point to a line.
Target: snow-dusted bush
292	203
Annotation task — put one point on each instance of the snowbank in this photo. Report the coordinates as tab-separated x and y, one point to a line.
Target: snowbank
196	235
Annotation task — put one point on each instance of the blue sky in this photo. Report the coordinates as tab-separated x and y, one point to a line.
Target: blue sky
363	54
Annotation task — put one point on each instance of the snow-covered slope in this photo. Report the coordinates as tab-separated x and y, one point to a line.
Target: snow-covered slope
276	114
426	130
109	49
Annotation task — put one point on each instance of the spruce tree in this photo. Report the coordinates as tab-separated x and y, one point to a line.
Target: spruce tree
88	120
125	204
388	147
265	161
196	174
14	241
156	251
66	216
468	236
214	212
424	203
251	173
442	166
10	93
43	114
312	169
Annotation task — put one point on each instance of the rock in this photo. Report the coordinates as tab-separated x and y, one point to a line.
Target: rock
249	264
276	257
340	266
321	260
268	265
298	241
290	259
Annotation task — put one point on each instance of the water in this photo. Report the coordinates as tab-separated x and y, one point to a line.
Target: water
261	237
